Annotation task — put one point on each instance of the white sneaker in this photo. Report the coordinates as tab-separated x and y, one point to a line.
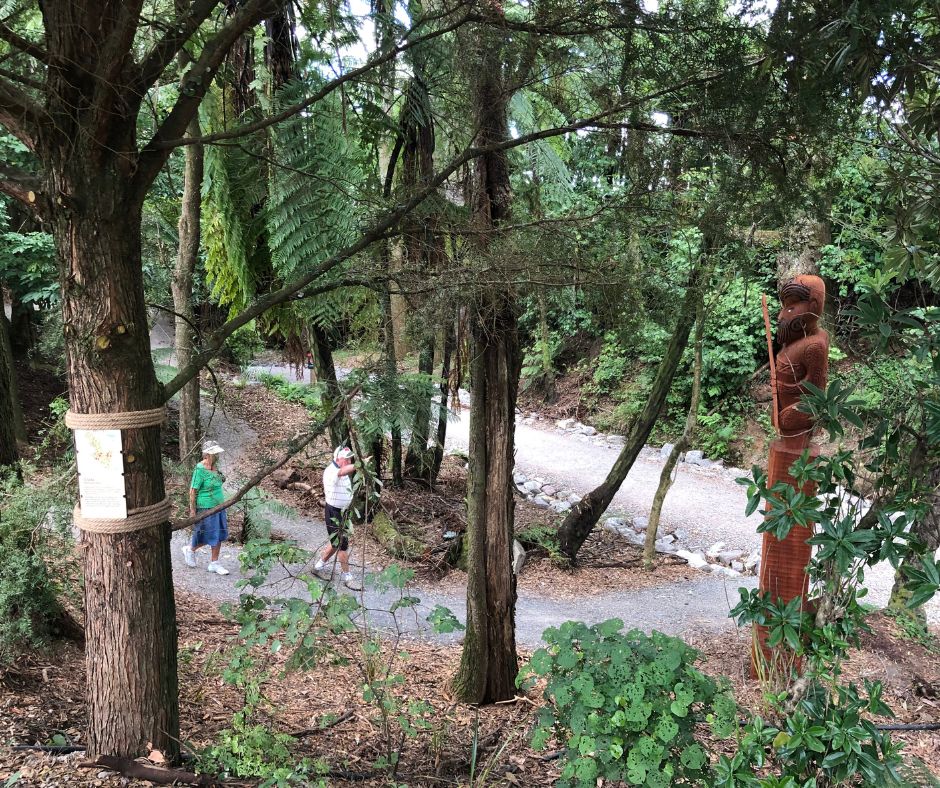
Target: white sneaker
215	566
319	565
189	555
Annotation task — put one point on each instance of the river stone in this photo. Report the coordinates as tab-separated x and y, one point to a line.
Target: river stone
533	486
585	429
713	551
695	457
667	538
752	561
616	523
519	478
564	424
564	494
561	506
541	500
666	450
724	571
640	523
737	566
694	559
574	498
634	538
664	545
548	490
727	556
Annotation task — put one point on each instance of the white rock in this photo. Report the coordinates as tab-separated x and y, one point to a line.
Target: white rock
680	535
713	551
564	494
585	429
519	478
666	450
664	546
564	424
561	506
574	498
542	501
752	560
538	480
549	490
518	556
450	534
695	457
694	559
727	556
615	523
634	538
533	486
737	566
640	523
724	571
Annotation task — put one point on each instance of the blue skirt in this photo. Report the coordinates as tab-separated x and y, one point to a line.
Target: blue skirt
212	530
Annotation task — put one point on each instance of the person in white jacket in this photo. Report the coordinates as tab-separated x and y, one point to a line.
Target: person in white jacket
337	489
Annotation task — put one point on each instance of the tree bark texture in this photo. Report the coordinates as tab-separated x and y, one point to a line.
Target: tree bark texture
130	613
9	453
6	351
584	515
326	374
418	462
489	664
182	287
681	445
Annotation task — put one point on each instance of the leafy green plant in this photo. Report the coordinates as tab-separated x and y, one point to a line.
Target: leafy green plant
717	433
541	536
244	344
611	364
626	705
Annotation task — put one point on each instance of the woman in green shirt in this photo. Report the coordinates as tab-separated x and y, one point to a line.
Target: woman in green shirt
205	492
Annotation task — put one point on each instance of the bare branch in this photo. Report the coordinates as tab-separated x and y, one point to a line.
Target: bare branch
19	114
20	185
165	50
22	44
164	143
391	218
194	86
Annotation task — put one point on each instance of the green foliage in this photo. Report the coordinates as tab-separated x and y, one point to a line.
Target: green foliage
244	344
542	536
35	566
611	364
27	266
626	705
311	397
717	432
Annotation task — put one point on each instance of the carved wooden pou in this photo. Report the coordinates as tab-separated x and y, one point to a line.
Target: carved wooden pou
803	357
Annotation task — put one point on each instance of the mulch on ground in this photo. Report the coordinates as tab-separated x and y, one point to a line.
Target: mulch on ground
41	701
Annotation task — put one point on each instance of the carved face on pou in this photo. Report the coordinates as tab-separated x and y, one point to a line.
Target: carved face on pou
802	300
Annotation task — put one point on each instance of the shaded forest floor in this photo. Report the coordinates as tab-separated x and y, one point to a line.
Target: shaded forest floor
42	702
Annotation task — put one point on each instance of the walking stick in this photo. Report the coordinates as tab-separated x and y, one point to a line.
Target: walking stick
774	415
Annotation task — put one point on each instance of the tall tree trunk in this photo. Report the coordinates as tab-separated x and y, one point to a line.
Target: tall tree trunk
9	369
418	458
584	516
441	435
326	374
9	452
488	663
391	371
665	478
130	613
182	287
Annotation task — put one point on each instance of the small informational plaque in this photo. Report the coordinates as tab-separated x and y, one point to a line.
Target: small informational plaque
100	474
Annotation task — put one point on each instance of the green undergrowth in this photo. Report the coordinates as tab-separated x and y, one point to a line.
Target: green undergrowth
298	393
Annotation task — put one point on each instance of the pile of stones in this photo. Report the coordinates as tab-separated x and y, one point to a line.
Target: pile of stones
544	494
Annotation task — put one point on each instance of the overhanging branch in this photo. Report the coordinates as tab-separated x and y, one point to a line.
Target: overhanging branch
20	185
393	217
24	45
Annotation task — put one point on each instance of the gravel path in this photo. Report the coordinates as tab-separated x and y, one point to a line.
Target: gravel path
706	503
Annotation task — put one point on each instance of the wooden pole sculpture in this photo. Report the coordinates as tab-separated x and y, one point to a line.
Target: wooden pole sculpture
803	357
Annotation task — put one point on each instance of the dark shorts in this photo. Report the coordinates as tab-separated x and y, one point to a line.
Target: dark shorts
336	527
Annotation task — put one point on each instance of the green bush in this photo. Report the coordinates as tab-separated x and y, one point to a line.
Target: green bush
311	397
626	706
244	344
33	536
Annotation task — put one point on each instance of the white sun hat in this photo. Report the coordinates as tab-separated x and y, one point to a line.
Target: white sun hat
211	447
342	452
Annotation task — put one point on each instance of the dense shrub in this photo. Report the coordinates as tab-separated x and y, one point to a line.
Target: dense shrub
626	705
35	563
